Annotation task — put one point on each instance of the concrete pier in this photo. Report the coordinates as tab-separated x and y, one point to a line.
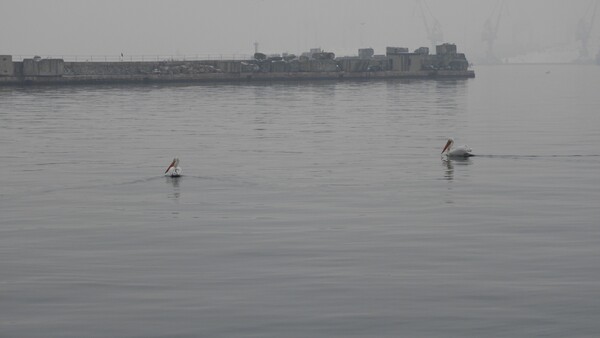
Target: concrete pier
397	63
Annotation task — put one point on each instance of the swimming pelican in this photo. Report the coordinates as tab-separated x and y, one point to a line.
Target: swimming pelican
462	151
176	172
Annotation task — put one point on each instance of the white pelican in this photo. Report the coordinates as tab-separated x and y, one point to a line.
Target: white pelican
462	151
176	172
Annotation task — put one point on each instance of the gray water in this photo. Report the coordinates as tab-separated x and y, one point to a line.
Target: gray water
313	209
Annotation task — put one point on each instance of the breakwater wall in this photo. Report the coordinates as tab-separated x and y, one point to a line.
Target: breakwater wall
397	63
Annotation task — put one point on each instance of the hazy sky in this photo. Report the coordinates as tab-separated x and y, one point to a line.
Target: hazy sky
190	27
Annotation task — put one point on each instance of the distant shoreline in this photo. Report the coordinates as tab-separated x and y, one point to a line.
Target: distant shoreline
230	77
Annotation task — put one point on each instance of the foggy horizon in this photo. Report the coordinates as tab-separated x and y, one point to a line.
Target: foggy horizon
443	192
68	27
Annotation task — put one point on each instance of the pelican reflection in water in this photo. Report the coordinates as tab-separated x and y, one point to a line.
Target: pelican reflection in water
448	165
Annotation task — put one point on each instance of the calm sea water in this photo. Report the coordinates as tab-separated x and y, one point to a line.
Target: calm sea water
313	209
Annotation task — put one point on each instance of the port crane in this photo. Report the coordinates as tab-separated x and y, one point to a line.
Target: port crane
433	28
584	29
490	30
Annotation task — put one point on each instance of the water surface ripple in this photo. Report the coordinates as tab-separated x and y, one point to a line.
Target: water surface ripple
312	209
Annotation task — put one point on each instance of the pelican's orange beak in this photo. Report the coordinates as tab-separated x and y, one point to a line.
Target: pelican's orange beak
170	166
446	146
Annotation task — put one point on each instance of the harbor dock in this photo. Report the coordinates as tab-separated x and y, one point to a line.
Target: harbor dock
398	62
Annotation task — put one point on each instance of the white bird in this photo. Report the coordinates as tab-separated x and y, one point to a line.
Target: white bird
462	151
176	172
